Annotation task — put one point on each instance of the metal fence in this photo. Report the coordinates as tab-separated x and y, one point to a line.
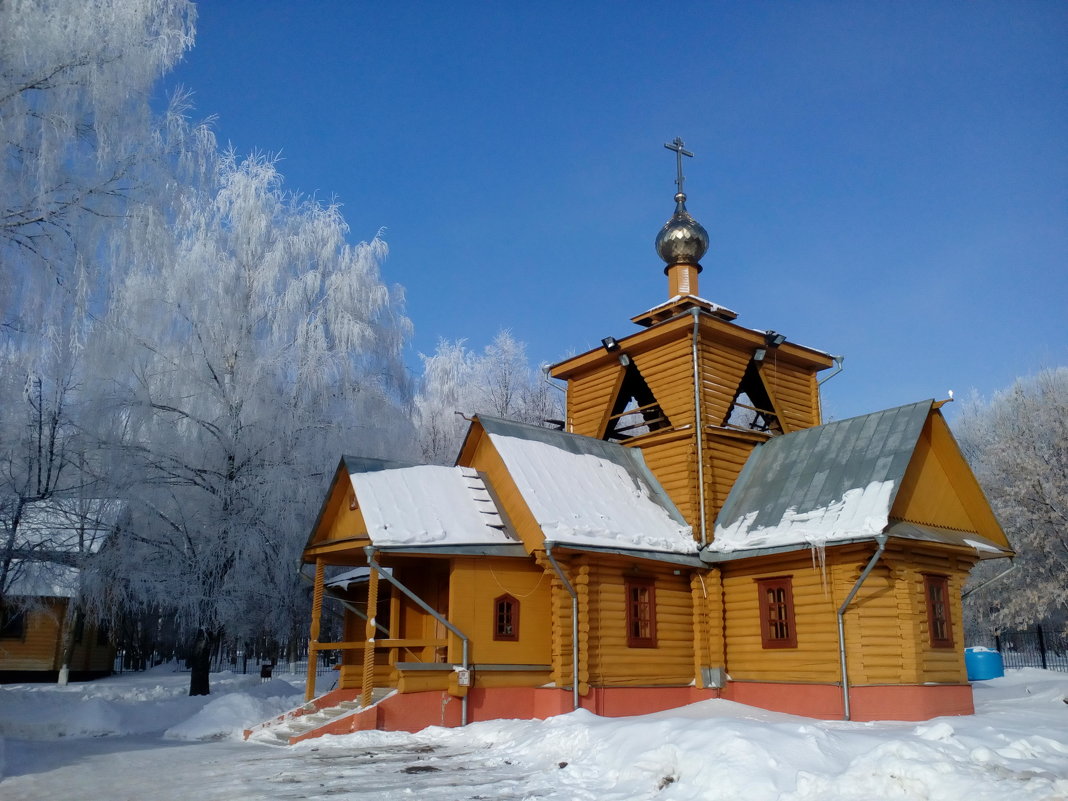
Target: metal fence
238	663
1035	647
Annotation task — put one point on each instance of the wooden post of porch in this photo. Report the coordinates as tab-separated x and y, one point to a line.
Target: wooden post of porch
313	639
367	689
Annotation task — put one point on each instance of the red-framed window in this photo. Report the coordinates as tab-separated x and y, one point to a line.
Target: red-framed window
641	612
776	601
505	618
939	622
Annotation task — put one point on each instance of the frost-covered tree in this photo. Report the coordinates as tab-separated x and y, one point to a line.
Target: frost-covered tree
45	456
1017	443
498	382
252	344
76	146
75	134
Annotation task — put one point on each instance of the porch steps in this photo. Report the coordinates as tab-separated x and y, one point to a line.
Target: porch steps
303	722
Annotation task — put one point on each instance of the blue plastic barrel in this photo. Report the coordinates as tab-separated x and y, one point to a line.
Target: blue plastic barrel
982	663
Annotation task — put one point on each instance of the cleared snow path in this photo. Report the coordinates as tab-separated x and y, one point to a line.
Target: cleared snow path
131	769
139	738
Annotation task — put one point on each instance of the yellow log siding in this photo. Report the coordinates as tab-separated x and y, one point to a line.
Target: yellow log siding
725	454
668	372
943	665
674	464
40	648
90	654
560	613
612	663
792	389
339	521
581	582
817	592
706	592
721	375
590	399
350	677
886	633
876	633
476	582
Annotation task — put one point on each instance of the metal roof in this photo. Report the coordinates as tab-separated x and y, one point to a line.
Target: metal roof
367	464
813	469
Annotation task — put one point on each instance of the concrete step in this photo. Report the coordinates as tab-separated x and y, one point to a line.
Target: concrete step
279	733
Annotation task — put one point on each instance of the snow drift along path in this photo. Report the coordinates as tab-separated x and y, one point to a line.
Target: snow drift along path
138	738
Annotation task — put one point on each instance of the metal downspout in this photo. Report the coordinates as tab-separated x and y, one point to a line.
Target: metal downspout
574	624
370	551
881	540
700	432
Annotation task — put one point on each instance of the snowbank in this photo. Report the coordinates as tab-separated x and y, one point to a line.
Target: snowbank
142	703
229	715
1015	747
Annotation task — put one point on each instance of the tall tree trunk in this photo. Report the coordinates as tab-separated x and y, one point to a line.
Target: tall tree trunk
200	662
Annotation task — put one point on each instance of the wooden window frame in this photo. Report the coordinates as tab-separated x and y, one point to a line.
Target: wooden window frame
512	605
641	612
778	626
939	619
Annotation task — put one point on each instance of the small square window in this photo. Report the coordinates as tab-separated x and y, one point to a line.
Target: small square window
641	612
505	618
776	601
12	624
939	623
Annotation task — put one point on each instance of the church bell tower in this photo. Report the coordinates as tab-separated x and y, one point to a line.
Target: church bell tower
694	390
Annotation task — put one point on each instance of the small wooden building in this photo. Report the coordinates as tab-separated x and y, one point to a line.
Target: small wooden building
693	532
42	627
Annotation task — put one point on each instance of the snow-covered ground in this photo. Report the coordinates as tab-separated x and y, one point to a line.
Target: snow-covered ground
139	736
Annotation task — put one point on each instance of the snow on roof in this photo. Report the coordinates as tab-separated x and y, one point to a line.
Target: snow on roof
859	512
584	491
830	483
68	525
42	579
429	505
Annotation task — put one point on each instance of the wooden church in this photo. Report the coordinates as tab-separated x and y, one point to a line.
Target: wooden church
693	532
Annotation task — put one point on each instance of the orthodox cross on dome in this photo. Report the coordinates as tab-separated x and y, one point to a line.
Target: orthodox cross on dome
680	151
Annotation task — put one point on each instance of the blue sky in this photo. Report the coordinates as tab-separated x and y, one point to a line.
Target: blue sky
887	181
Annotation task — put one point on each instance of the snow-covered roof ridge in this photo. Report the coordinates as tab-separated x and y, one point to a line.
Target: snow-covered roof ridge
588	492
429	505
37	578
829	483
68	525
